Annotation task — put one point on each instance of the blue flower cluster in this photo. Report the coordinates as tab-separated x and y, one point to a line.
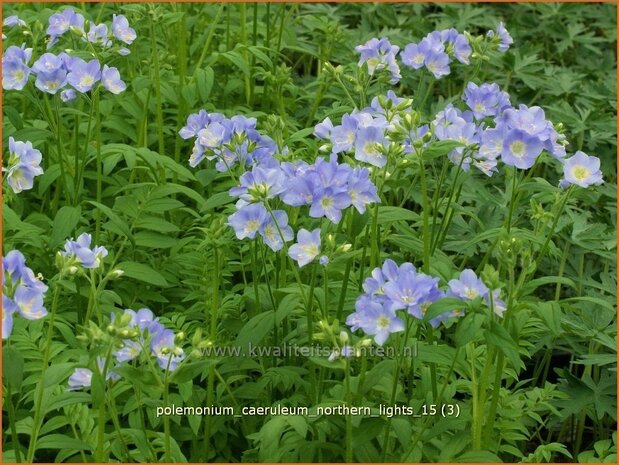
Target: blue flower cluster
491	128
161	346
79	252
70	21
393	288
54	72
23	166
435	52
326	186
22	292
227	140
379	54
153	339
364	132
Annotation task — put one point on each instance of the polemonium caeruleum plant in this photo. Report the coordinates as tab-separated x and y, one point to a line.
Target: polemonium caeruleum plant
418	214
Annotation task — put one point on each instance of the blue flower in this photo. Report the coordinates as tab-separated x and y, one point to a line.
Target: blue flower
467	287
48	63
485	100
438	64
83	76
29	302
12	21
323	130
22	292
462	49
414	55
329	202
163	347
80	379
307	247
379	321
504	38
68	95
24	165
110	78
195	123
121	29
15	70
248	220
361	190
14	74
98	34
80	251
409	290
379	55
370	145
259	184
8	310
581	170
520	149
273	234
343	136
51	82
60	23
129	351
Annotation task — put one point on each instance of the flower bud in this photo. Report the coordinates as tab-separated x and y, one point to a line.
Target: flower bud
180	337
117	273
125	319
343	337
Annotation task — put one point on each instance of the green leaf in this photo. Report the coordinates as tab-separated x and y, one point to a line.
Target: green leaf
154	240
113	217
56	373
65	222
443	305
256	329
498	335
388	214
217	200
440	149
191	370
143	272
12	367
469	328
61	441
204	81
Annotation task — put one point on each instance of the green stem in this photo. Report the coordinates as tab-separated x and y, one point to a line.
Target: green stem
11	411
38	413
555	221
99	163
157	79
349	263
349	456
425	213
476	430
212	336
394	388
167	457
